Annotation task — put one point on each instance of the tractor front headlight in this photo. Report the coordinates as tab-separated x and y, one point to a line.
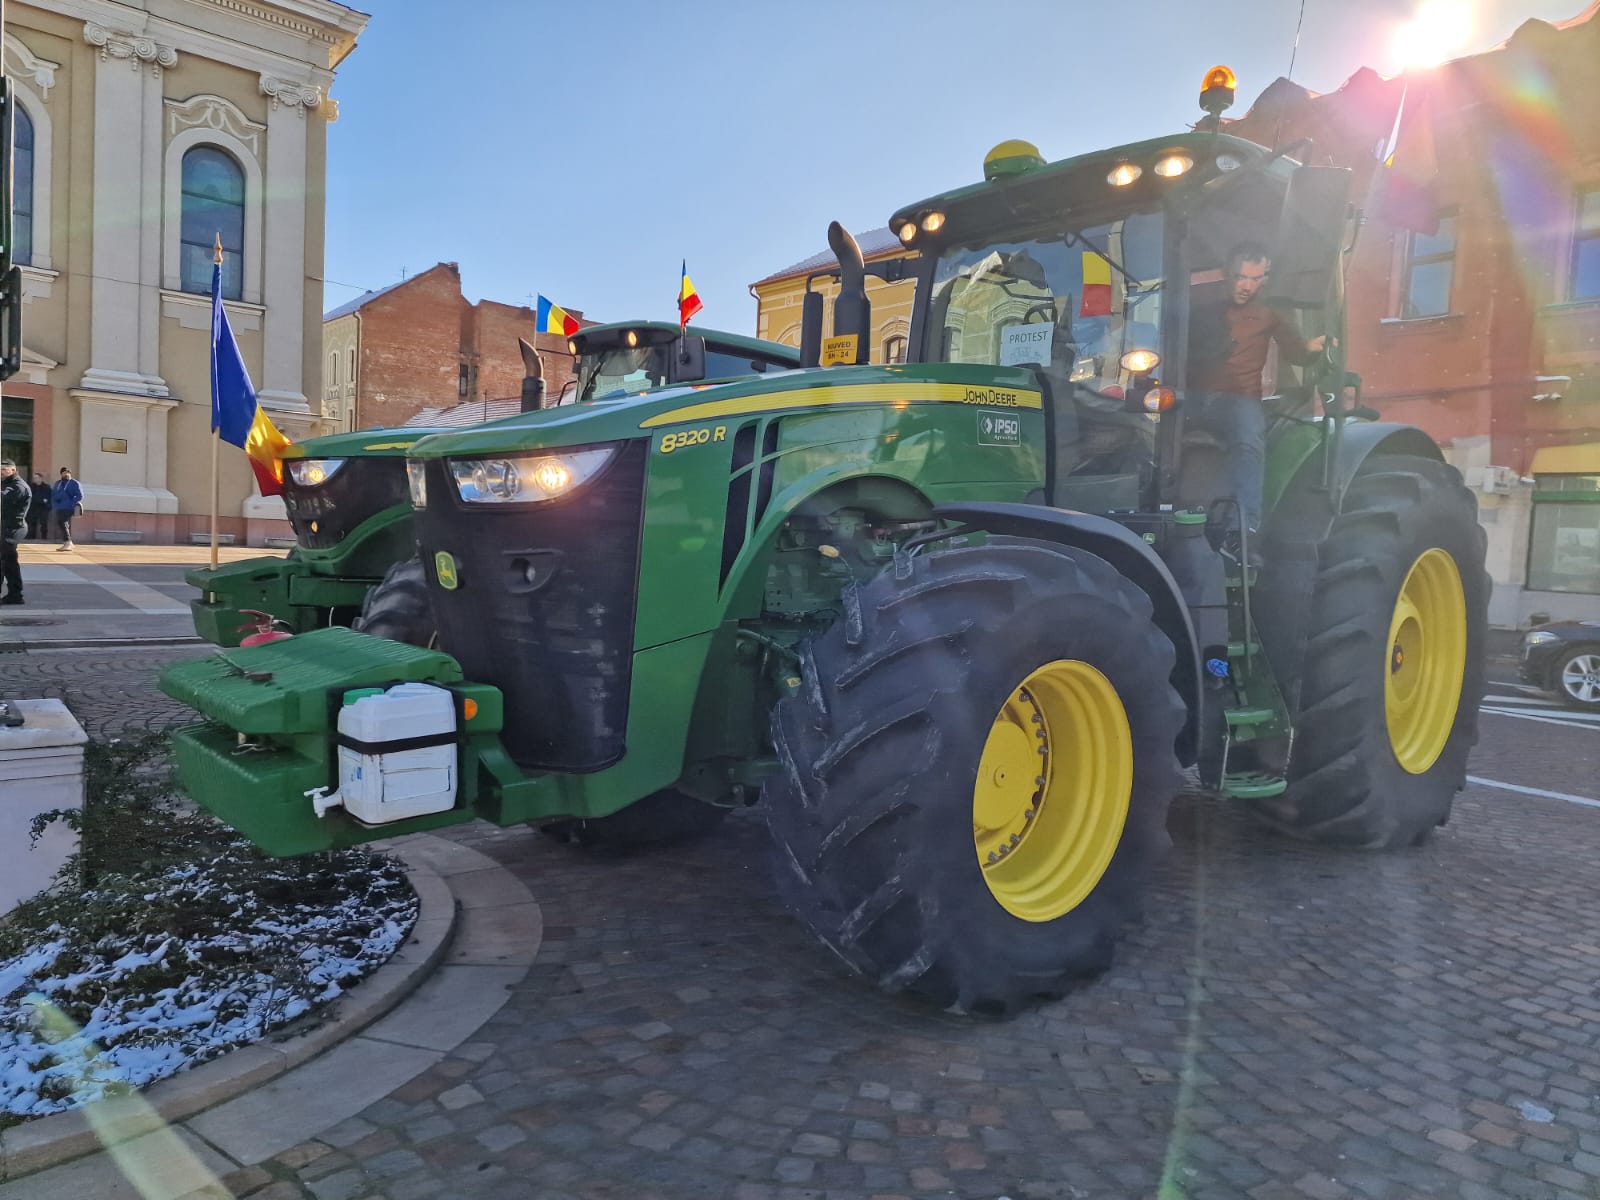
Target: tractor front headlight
526	478
314	472
417	481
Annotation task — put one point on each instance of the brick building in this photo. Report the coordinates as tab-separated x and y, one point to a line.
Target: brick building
390	354
1487	332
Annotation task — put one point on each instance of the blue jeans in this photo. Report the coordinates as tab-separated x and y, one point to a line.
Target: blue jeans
1240	424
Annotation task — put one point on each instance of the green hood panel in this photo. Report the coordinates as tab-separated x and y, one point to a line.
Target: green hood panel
801	390
381	443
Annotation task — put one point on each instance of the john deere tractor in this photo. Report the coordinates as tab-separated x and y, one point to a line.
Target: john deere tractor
346	499
959	624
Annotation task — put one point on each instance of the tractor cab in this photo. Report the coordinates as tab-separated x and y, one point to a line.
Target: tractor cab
624	359
1099	274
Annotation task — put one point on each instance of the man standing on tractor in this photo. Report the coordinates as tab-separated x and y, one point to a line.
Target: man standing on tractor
1228	352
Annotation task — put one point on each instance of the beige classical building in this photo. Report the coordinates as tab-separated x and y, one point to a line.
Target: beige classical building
145	128
780	295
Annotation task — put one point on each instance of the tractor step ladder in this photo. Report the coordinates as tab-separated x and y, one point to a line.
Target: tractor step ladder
1258	717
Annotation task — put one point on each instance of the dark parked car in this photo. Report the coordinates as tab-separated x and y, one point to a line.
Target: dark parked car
1563	657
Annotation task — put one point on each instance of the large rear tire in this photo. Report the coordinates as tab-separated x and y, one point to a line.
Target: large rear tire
1394	666
398	608
976	772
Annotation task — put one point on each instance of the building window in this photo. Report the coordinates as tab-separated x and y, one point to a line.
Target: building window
463	383
1564	545
1585	243
1430	263
333	369
213	204
22	188
894	349
350	376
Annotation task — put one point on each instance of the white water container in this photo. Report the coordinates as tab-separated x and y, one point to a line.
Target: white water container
397	754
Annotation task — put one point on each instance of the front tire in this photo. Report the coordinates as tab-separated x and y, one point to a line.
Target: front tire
1394	668
398	608
927	828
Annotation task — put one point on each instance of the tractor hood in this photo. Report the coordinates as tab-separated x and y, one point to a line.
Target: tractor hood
644	413
368	443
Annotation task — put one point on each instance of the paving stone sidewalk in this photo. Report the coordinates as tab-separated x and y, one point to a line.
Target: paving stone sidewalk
1285	1022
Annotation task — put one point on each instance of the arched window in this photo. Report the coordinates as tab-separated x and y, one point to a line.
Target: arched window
22	185
894	349
213	203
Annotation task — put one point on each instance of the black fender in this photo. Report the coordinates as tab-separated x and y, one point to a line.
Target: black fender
1132	558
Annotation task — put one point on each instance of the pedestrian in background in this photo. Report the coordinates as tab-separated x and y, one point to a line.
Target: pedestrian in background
66	501
39	507
14	498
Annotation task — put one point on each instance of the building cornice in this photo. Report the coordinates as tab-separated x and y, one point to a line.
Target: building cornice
137	49
243	48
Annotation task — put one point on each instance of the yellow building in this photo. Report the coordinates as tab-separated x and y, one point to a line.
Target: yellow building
779	296
145	128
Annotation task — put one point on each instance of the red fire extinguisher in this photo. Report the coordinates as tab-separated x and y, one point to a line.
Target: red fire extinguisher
268	628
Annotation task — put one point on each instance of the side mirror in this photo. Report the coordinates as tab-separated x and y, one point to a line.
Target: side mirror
1311	236
689	358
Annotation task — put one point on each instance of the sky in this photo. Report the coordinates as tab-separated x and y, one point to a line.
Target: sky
583	150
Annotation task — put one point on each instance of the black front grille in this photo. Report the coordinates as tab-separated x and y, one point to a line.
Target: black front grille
360	489
544	608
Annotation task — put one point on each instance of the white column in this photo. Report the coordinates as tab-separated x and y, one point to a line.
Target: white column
284	282
125	294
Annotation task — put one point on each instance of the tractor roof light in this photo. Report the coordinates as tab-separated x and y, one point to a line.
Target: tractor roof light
572	347
933	222
1216	92
1140	362
633	338
1173	165
908	232
1123	174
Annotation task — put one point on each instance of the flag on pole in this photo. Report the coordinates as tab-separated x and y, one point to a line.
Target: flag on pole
1411	167
236	415
553	318
1096	300
689	301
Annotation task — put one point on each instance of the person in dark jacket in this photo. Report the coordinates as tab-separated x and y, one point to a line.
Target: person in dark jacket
66	498
39	508
1229	339
14	498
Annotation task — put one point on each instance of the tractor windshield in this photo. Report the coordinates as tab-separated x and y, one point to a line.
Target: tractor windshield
620	372
1084	307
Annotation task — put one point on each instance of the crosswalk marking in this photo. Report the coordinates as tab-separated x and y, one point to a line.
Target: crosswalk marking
1584	801
1540	709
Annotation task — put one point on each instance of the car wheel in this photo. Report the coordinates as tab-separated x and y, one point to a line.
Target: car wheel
1576	678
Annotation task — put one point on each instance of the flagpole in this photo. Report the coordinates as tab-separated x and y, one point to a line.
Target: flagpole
216	437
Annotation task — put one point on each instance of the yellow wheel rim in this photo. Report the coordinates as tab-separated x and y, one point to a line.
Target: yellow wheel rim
1052	792
1426	661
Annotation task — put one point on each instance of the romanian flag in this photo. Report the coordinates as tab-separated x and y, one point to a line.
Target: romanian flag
688	299
1096	300
235	413
555	319
1411	167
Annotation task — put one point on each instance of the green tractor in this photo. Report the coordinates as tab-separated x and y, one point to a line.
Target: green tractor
347	502
959	624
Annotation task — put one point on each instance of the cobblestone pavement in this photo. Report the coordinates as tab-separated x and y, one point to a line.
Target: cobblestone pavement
1285	1021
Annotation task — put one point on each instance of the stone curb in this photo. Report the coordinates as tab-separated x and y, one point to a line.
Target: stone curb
50	1141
